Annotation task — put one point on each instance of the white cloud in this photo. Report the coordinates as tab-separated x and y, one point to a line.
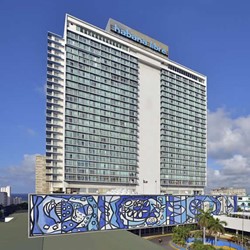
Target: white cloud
41	89
27	130
227	136
229	150
20	177
31	132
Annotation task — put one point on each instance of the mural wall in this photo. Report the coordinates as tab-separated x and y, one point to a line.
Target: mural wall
59	214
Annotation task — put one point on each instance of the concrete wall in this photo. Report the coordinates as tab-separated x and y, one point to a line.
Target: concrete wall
239	224
66	214
149	130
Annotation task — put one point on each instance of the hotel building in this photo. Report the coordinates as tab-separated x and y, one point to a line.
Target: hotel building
120	115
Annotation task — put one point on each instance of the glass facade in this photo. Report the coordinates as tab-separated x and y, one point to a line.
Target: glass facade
183	129
101	113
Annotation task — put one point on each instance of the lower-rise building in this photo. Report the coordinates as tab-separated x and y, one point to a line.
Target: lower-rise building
17	200
244	203
7	190
229	191
3	199
41	184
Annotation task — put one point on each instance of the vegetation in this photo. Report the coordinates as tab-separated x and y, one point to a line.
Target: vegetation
197	234
13	208
198	245
237	238
180	235
209	225
216	226
239	209
208	222
204	220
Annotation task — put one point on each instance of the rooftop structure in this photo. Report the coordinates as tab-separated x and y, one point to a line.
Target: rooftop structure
229	191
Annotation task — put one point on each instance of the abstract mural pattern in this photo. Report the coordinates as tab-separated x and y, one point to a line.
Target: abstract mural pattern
59	214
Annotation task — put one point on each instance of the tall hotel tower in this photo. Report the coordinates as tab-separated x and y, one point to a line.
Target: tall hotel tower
120	115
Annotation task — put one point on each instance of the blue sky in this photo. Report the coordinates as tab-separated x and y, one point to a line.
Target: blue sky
209	36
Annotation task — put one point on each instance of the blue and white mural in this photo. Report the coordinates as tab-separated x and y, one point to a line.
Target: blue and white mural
60	214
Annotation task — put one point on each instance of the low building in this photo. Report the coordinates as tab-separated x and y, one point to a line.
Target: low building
17	200
228	191
41	184
7	190
3	199
237	221
244	203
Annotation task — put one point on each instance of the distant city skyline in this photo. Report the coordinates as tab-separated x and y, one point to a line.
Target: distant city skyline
210	37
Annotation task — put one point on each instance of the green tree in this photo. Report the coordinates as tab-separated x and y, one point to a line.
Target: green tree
204	220
236	238
180	235
198	245
216	226
197	234
239	209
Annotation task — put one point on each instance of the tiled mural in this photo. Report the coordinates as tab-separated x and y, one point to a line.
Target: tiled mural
59	214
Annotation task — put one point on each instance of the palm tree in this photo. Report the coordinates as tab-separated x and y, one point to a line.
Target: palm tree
236	238
216	226
180	235
197	234
204	218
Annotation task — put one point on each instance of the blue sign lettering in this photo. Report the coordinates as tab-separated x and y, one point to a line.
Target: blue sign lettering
138	39
127	34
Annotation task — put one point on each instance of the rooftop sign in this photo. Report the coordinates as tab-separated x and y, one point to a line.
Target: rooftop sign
137	37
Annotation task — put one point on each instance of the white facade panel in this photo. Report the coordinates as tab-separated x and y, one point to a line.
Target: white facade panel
149	130
238	224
